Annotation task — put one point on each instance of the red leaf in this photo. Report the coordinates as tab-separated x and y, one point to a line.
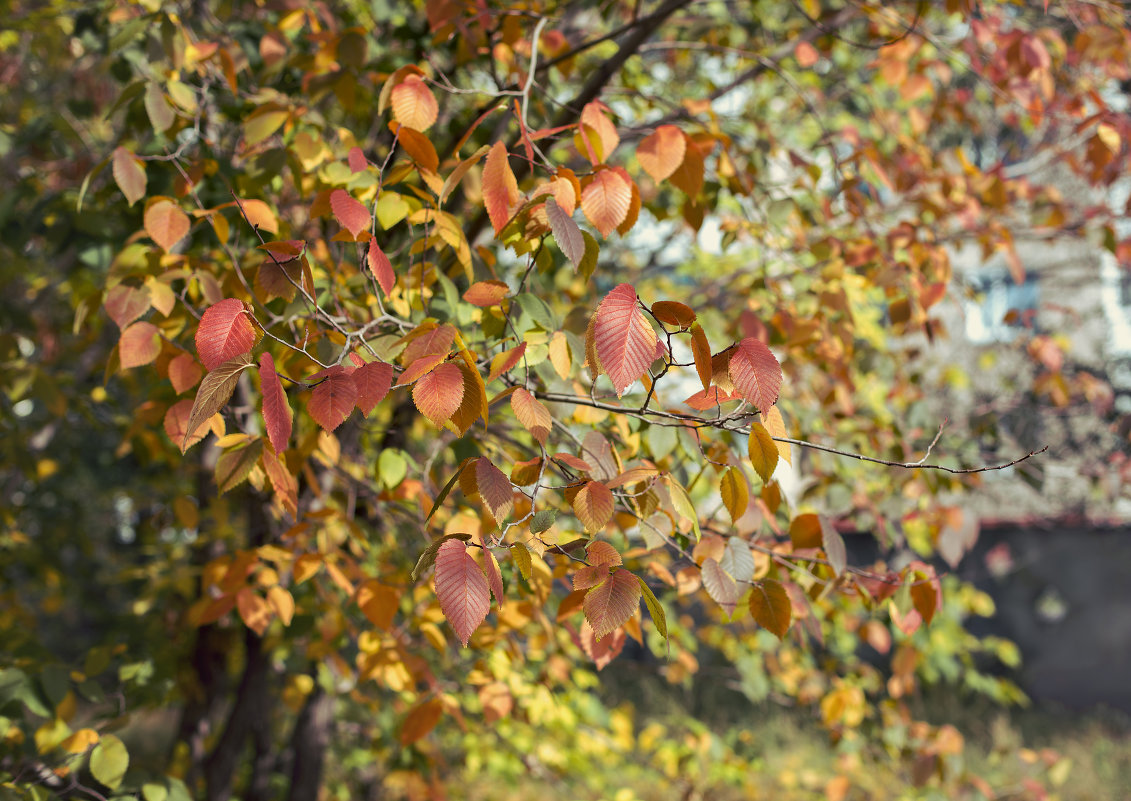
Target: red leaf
486	294
125	303
625	342
462	589
494	575
414	104
534	417
600	552
601	651
661	153
139	344
609	606
495	489
505	361
373	381
500	188
381	268
276	411
350	212
425	364
437	340
357	160
438	394
225	332
606	200
756	373
593	506
333	398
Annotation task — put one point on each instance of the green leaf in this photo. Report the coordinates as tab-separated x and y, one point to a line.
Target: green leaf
16	686
659	618
392	467
537	310
588	263
109	761
542	520
151	791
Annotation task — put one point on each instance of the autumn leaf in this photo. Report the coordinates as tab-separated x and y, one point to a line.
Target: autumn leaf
756	373
774	423
373	381
420	720
661	153
129	175
414	104
770	607
503	362
350	213
462	589
566	232
214	392
381	267
500	187
184	372
165	223
673	312
438	394
125	303
276	412
225	332
494	488
624	341
606	199
720	586
593	506
176	425
486	294
594	115
332	398
138	345
610	605
734	492
534	417
763	453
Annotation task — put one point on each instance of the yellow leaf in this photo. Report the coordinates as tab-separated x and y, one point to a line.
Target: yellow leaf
763	451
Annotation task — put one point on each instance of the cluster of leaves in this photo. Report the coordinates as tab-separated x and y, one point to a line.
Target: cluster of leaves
396	381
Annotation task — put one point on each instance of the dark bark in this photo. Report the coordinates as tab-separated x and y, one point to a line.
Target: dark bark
308	743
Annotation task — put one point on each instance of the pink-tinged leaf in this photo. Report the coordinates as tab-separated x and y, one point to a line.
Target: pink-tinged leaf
276	411
486	294
770	607
414	104
624	341
438	394
600	552
566	232
333	398
606	200
908	623
661	153
437	340
176	425
373	381
495	489
833	544
604	650
184	372
225	332
494	576
125	303
720	586
165	223
593	505
505	361
350	212
589	576
534	417
282	481
593	115
214	392
500	187
421	367
357	160
381	268
609	606
465	597
569	460
129	175
139	344
756	373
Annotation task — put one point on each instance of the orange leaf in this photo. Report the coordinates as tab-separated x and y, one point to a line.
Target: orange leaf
770	607
139	344
756	373
378	603
165	223
673	313
486	294
438	394
661	153
606	199
350	212
276	412
505	361
534	417
689	175
701	350
176	425
600	552
624	341
184	372
421	720
500	187
776	426
125	303
333	398
225	332
254	611
593	115
462	589
418	146
610	605
604	650
414	104
381	267
593	506
495	489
